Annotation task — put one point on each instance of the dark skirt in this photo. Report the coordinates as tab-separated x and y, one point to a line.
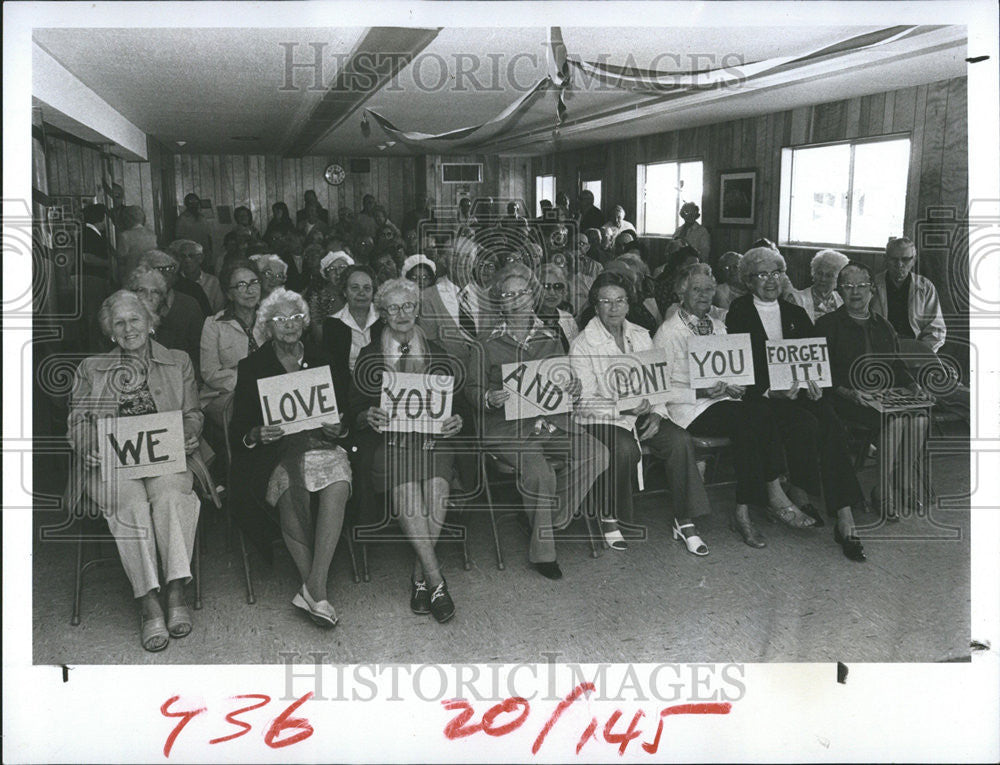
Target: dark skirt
402	458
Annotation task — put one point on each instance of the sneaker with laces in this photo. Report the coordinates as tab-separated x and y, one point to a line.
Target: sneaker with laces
442	606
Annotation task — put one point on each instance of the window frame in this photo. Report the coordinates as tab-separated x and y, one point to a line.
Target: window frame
785	192
538	197
640	192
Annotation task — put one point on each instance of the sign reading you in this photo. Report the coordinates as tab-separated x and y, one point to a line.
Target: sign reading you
417	403
299	400
142	446
720	358
639	376
536	388
798	361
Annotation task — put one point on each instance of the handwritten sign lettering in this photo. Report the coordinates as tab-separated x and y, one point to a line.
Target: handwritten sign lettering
299	400
798	361
639	376
720	358
142	446
417	403
536	388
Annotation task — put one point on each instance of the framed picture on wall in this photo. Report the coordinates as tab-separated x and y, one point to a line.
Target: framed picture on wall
737	197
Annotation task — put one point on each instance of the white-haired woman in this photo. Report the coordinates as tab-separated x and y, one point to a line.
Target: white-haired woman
819	463
554	308
822	297
152	519
721	410
273	470
407	466
273	271
179	317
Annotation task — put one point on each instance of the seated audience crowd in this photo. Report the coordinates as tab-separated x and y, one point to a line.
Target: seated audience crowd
455	301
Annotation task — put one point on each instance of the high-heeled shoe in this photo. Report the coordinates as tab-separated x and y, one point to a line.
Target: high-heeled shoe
741	523
692	541
613	536
851	545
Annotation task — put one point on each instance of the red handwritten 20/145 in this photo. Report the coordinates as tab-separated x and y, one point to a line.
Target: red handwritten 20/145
460	727
272	736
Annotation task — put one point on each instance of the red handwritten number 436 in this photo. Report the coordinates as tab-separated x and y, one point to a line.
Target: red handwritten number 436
272	737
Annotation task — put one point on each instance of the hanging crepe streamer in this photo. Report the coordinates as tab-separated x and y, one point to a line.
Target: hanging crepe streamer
636	79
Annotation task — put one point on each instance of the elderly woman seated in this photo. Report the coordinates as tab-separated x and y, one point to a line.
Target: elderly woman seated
640	300
607	336
329	298
535	446
273	271
179	318
858	337
730	285
227	338
815	442
412	468
274	469
721	409
244	224
822	298
553	307
152	519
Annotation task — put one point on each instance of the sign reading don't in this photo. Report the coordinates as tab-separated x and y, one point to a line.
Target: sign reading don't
143	446
299	400
536	388
417	403
798	361
638	376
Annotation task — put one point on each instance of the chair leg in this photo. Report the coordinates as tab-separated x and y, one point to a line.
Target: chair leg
592	536
251	598
493	517
350	551
364	562
198	535
466	560
78	582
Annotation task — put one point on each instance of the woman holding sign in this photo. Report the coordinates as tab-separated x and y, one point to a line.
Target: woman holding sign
860	342
815	442
526	415
603	346
406	462
718	408
154	518
284	434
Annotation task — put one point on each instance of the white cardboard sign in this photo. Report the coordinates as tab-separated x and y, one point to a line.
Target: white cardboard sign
798	361
417	403
299	400
720	358
537	388
142	446
637	376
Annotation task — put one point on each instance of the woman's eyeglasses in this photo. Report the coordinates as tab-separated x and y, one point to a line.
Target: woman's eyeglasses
765	276
514	294
860	287
283	320
278	276
245	286
558	286
166	269
612	302
406	308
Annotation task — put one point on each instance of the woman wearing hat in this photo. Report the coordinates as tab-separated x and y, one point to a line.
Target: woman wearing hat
329	298
420	270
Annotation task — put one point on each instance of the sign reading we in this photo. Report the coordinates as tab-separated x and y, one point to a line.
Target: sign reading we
299	400
416	403
720	358
142	446
638	376
536	388
798	361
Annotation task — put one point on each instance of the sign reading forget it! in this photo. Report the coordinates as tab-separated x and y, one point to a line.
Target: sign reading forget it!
798	361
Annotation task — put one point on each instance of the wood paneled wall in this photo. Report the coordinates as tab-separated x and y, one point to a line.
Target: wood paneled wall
504	178
257	181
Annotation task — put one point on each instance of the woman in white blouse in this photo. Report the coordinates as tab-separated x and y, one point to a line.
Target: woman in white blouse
608	335
720	410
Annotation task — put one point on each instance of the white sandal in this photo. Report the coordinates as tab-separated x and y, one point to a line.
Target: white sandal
694	543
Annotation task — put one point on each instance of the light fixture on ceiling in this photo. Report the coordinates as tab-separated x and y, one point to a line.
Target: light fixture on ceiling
180	143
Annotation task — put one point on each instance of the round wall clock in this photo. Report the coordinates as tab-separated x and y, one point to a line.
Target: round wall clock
334	174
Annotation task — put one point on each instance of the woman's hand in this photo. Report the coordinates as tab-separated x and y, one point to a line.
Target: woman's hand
266	434
92	459
650	427
377	418
718	390
644	408
495	398
791	393
736	391
191	444
332	429
575	388
451	426
813	391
